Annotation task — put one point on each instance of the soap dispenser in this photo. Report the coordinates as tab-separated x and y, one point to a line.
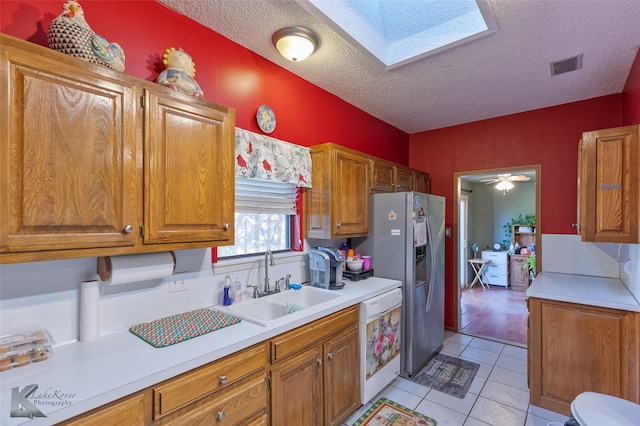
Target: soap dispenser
227	299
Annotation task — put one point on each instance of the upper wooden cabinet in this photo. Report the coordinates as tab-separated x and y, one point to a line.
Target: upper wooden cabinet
338	203
72	155
609	185
387	176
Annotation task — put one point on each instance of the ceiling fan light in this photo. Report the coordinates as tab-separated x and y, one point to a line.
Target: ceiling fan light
295	43
504	185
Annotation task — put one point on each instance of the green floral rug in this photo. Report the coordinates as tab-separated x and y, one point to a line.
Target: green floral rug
387	413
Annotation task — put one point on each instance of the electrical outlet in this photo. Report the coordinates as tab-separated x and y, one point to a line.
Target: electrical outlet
177	285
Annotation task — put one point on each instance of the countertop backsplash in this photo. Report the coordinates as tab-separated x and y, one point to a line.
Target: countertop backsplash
567	254
46	294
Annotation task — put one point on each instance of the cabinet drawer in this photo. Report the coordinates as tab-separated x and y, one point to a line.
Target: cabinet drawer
494	279
233	406
127	412
496	257
291	342
191	386
494	269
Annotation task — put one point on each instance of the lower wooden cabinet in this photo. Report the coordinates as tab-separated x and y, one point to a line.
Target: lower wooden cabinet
575	348
318	383
307	376
519	275
128	411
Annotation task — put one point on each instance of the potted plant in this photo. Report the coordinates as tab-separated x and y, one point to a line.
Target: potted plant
530	265
528	220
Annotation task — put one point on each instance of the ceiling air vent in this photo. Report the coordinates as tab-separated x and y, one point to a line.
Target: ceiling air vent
566	65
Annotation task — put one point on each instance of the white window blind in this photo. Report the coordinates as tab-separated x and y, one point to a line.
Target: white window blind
265	196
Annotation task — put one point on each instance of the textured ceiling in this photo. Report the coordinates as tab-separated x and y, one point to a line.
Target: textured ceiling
504	73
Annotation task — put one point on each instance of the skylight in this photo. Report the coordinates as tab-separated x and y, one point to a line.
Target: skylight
397	32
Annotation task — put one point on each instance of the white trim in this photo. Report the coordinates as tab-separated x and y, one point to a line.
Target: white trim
226	266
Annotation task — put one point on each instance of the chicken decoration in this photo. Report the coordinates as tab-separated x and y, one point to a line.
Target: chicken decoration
71	34
179	73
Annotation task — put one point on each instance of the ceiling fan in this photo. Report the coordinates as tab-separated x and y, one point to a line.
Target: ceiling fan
506	178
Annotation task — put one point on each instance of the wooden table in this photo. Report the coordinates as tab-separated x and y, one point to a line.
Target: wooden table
478	266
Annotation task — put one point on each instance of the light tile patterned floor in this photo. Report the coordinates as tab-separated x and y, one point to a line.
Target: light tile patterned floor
498	396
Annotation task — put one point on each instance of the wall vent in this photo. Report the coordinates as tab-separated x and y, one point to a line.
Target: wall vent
566	65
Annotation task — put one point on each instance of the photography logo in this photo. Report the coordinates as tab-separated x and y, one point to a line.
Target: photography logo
21	406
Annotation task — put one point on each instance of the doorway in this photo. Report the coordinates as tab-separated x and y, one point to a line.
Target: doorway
483	214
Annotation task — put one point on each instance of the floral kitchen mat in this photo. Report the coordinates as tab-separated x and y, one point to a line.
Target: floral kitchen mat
388	413
178	328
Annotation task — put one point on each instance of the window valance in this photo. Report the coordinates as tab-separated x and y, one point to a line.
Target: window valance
260	156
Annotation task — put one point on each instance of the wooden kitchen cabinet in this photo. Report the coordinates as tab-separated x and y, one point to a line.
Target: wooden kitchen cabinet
321	358
95	162
404	179
574	348
383	176
519	276
421	182
337	206
129	411
609	185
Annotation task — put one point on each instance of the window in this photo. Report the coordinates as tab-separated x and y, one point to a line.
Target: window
263	217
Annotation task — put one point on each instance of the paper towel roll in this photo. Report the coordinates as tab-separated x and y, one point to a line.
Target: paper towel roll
114	270
89	311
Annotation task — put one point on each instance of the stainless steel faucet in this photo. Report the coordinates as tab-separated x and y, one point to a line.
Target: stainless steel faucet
268	258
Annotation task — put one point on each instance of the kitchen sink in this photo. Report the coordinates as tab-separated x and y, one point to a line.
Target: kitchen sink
270	309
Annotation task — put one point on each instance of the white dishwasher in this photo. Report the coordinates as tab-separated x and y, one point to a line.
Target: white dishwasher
380	319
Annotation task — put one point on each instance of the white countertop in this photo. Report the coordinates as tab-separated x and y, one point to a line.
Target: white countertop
84	375
583	289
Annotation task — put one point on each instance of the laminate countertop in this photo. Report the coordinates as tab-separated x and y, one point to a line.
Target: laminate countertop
81	376
584	289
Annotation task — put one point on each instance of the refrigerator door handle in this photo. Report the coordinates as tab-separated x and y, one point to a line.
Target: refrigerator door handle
433	263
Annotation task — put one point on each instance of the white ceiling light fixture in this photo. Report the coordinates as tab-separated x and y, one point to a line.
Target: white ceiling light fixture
504	186
295	43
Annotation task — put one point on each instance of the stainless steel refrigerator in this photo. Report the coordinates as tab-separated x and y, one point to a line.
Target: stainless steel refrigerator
406	242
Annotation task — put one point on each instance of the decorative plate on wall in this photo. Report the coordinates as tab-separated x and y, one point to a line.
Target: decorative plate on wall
266	119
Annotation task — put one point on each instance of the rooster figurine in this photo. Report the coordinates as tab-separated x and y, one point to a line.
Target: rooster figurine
69	33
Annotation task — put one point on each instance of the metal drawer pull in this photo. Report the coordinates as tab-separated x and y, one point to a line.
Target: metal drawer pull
220	415
330	356
223	380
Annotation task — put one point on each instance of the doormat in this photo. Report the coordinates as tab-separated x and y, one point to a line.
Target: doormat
388	413
447	374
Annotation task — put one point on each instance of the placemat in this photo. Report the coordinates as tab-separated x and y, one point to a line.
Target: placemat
177	328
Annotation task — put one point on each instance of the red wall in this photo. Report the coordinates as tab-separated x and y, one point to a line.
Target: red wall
631	95
548	137
228	73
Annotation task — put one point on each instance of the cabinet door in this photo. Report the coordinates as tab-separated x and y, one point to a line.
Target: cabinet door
296	389
404	179
421	182
130	411
341	376
382	176
577	348
350	195
188	178
609	190
68	154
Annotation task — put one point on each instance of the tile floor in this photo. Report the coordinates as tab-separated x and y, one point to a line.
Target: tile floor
498	396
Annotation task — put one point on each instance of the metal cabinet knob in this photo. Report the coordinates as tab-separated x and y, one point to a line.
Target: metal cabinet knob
339	225
127	229
330	355
226	227
319	361
220	415
223	380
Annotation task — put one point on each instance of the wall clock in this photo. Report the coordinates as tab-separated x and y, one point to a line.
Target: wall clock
266	119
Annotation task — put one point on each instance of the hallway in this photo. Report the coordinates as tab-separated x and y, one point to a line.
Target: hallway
498	313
